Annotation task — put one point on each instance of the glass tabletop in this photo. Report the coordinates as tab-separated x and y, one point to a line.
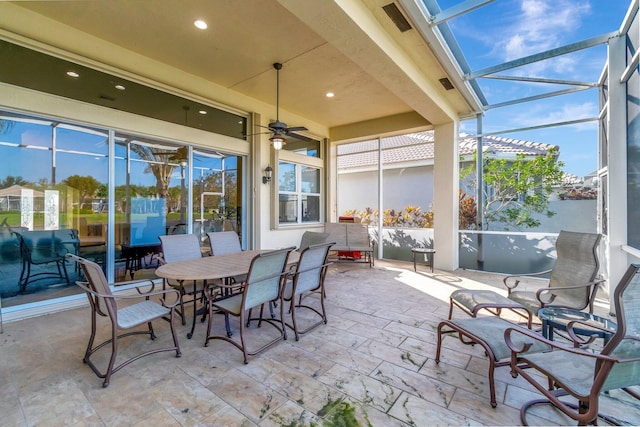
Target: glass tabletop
560	318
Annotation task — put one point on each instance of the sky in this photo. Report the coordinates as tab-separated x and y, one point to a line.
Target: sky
510	29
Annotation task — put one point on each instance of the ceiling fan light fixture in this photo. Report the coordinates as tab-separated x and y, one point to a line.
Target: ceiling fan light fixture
277	141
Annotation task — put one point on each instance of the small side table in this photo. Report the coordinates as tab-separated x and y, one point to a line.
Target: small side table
427	253
558	318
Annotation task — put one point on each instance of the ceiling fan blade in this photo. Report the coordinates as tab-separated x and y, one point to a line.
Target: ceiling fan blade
254	134
296	129
301	137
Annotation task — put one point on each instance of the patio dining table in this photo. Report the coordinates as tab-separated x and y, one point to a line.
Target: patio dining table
212	268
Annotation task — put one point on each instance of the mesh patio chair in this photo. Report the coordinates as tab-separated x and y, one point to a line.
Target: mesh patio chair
307	279
224	242
310	238
262	286
584	373
123	317
181	247
572	282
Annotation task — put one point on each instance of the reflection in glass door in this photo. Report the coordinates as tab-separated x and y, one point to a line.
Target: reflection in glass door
153	180
54	200
151	200
217	201
53	183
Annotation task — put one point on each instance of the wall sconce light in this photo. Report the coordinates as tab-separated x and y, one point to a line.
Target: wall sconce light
278	141
267	175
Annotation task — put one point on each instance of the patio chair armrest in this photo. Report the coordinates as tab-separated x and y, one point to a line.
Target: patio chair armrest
579	339
535	336
512	281
145	295
548	300
521	348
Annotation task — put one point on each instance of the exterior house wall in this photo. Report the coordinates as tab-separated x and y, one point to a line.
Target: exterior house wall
414	186
402	187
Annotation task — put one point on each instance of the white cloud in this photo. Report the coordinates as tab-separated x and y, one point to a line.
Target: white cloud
540	25
567	112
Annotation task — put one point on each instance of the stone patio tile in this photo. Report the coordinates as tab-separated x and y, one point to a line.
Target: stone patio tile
398	356
370	320
410	331
462	379
56	400
375	334
348	357
351	412
254	400
502	415
291	414
428	350
310	393
417	412
422	386
404	318
361	387
299	359
344	338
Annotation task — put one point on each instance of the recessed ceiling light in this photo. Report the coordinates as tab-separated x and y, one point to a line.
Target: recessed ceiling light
330	95
73	74
120	87
199	23
203	112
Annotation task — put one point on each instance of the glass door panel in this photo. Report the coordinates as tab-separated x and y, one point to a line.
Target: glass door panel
53	178
217	203
151	200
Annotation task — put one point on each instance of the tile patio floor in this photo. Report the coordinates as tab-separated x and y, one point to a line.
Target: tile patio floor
372	364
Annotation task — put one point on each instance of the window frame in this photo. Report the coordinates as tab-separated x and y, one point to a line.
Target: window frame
299	161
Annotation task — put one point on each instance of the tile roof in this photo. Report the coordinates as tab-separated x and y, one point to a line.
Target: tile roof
417	147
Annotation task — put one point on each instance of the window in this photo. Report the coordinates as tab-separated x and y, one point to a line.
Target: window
299	193
302	145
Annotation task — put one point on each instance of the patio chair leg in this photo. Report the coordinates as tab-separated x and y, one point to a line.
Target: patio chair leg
112	359
193	323
151	332
272	304
226	324
66	274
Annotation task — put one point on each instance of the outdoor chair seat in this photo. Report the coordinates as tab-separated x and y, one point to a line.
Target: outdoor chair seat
140	313
489	333
530	301
472	301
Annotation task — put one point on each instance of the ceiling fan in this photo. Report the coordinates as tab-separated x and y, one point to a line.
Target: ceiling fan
278	128
180	155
